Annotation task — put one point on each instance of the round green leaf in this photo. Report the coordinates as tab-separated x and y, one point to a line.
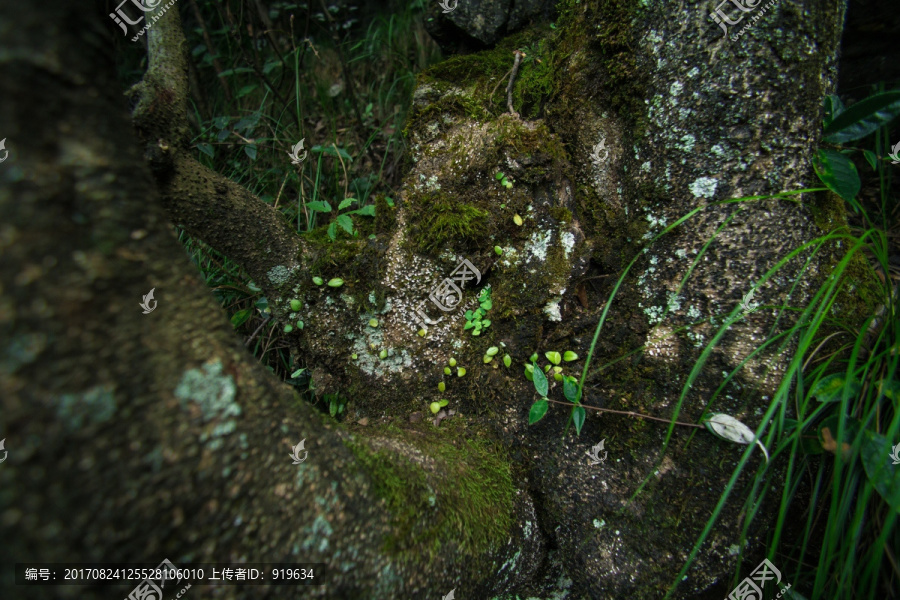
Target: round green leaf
318	280
492	351
435	407
553	357
336	282
569	356
296	305
507	361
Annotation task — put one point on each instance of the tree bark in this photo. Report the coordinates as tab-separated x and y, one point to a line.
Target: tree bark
134	418
137	437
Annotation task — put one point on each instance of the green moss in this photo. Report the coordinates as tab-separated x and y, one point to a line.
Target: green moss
460	499
445	220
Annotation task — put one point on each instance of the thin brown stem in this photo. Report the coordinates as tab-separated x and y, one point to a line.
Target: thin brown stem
629	414
512	78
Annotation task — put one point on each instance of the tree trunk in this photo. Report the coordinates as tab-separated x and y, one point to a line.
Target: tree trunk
174	444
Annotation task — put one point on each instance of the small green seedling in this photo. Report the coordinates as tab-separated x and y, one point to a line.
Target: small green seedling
288	328
498	250
518	220
318	280
296	305
422	332
553	357
447	371
336	282
475	319
383	354
460	372
452	362
569	356
442	386
435	407
503	180
354	356
299	324
507	360
373	322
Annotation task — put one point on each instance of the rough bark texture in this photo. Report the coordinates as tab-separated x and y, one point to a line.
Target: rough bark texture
636	114
137	437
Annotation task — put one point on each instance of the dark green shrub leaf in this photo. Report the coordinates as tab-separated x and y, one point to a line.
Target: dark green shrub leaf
332	230
206	149
871	159
875	453
839	173
346	223
367	211
890	388
833	107
831	388
578	414
863	118
540	382
345	203
247	89
538	410
319	206
241	317
570	389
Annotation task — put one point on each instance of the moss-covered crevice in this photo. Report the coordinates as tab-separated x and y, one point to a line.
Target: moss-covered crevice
448	489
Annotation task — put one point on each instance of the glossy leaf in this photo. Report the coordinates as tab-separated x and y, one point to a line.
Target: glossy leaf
241	317
538	410
569	356
345	203
863	118
831	388
838	173
540	382
553	357
570	390
578	415
884	476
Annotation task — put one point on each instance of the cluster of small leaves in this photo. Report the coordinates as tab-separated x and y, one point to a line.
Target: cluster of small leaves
570	387
843	125
343	220
503	180
475	319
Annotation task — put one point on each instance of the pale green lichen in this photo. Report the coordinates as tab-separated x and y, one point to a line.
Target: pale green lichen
279	275
212	391
704	187
96	405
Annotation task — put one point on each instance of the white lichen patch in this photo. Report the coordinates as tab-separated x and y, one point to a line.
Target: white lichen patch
704	187
552	310
567	239
676	88
686	143
537	246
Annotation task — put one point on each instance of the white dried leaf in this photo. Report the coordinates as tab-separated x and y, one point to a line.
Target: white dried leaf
729	428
